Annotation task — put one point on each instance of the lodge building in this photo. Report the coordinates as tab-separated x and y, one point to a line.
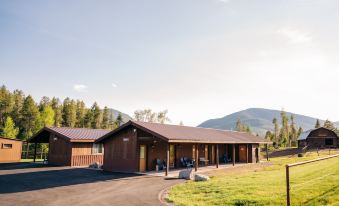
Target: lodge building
141	146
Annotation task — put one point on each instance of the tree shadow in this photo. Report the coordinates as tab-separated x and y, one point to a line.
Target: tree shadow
36	180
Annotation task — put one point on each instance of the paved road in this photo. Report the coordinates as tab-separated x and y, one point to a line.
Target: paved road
32	184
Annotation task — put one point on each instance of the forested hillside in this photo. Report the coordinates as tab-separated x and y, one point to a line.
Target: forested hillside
21	116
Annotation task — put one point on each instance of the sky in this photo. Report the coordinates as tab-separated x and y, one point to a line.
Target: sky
199	59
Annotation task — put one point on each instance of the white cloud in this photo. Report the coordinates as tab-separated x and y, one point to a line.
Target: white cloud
224	1
80	88
296	36
114	85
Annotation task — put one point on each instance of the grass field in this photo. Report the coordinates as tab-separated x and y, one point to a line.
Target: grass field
311	184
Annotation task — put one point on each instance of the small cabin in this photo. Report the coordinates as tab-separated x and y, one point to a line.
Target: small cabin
71	146
318	138
10	150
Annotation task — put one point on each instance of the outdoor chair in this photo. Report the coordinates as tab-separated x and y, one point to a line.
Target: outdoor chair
161	164
186	162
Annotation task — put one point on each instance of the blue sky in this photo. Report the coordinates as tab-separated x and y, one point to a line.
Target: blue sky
199	59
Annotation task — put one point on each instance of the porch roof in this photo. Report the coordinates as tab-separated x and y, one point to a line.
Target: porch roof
185	134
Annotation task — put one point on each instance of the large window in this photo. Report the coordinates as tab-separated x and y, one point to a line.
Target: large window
328	141
98	149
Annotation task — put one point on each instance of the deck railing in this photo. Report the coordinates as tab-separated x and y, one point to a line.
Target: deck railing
84	160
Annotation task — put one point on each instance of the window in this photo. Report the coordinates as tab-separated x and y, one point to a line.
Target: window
7	146
97	149
328	141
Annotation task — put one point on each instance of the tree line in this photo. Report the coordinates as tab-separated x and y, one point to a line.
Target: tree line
21	116
287	133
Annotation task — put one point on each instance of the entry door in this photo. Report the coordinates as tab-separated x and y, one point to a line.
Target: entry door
142	160
242	153
206	152
212	154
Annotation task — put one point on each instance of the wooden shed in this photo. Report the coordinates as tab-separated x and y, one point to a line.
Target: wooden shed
318	138
10	150
140	146
71	146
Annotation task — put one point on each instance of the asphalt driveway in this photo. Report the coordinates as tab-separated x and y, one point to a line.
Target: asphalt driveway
36	184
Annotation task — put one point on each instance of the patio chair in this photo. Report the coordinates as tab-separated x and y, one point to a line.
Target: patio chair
161	164
189	163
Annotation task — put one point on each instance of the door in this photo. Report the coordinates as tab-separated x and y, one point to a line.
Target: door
242	153
206	154
142	158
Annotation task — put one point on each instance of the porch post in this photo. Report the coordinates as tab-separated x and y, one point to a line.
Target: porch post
233	155
167	159
267	152
217	156
196	157
35	146
246	153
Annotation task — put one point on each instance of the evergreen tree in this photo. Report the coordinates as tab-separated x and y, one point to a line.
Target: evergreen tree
30	113
285	129
317	124
80	113
88	119
96	116
69	113
9	129
119	120
44	102
276	130
16	114
105	118
6	104
269	136
293	131
57	107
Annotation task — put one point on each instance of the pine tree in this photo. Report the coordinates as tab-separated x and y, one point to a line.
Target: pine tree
57	107
276	130
293	132
9	129
69	113
6	104
29	114
105	118
119	120
238	126
317	124
16	114
44	102
96	116
285	129
80	113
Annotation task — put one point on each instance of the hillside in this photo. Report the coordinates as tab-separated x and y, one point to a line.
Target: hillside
125	117
260	120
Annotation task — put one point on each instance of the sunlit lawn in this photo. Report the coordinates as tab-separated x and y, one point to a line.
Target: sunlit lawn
312	184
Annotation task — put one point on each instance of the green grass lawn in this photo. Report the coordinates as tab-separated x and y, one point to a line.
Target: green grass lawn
311	184
31	160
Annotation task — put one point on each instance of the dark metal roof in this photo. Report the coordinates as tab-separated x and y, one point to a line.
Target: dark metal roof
72	134
306	134
176	133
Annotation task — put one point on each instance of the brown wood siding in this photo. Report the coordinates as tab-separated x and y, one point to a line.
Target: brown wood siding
10	154
60	151
81	148
82	160
183	150
120	155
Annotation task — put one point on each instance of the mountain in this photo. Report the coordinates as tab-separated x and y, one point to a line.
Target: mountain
125	117
259	120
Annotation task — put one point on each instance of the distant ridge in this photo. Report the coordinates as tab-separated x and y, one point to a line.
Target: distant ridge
259	120
125	117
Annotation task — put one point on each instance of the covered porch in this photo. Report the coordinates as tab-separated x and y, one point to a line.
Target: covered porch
158	155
